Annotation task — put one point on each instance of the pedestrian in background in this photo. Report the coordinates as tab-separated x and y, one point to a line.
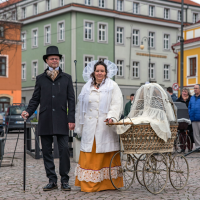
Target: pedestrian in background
194	113
128	106
173	96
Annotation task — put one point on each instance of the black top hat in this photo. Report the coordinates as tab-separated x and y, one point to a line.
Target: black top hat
51	50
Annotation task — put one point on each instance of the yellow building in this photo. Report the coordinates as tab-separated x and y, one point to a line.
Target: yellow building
191	59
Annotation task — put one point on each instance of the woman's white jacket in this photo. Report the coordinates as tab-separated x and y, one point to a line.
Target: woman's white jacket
94	126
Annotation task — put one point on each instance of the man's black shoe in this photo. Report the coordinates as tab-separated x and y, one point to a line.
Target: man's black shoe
50	186
65	187
182	150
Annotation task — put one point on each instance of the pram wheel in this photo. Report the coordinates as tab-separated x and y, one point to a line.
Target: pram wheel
139	168
122	172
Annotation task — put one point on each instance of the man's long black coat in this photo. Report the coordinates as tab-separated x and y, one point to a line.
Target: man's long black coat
53	97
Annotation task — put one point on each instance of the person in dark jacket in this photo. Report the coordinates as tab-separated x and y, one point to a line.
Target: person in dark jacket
54	92
194	113
185	98
173	96
128	106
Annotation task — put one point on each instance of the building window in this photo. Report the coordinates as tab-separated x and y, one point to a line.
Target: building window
136	8
102	59
35	69
195	17
135	70
88	2
102	3
4	16
23	71
23	13
120	35
166	41
47	35
192	66
120	68
2	66
1	31
23	38
61	31
152	71
61	2
151	11
179	15
166	13
87	60
179	38
48	5
135	37
35	38
35	9
88	30
62	64
151	39
102	32
13	16
120	5
166	72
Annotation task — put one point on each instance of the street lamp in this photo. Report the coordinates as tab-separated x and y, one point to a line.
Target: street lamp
142	47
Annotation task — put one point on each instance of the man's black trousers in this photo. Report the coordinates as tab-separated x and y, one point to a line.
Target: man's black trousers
64	157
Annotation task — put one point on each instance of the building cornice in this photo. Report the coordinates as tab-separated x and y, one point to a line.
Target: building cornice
188	46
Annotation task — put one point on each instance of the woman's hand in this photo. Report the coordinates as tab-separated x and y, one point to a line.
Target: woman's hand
108	120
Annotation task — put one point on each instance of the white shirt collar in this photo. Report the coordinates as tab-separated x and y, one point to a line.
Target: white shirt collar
51	69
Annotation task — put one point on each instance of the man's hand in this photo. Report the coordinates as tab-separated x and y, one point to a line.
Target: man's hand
25	114
108	120
71	126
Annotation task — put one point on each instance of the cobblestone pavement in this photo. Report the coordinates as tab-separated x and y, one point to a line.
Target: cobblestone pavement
11	181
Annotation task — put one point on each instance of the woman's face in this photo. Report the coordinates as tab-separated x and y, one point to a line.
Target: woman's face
185	93
100	73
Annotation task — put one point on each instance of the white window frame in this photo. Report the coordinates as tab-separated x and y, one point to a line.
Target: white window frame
179	15
154	39
33	38
61	2
118	33
23	12
165	15
100	2
102	57
106	32
136	35
150	11
35	8
152	67
58	31
134	8
48	5
120	7
88	2
13	16
166	40
92	30
23	39
197	18
136	66
121	65
88	56
33	77
178	38
45	34
23	78
164	71
7	64
62	61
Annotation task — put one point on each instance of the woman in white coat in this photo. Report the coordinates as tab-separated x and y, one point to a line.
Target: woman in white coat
100	101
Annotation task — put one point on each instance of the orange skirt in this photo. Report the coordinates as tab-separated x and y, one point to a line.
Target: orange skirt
92	171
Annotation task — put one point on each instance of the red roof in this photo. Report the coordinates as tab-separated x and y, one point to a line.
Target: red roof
188	41
8	3
189	2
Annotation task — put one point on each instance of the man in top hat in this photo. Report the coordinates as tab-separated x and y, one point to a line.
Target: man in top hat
54	92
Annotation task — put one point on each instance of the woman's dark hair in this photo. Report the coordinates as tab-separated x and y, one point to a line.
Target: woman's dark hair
93	76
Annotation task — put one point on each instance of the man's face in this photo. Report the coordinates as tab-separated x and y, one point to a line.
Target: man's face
53	61
196	90
132	97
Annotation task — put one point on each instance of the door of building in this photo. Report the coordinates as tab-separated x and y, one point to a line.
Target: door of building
4	104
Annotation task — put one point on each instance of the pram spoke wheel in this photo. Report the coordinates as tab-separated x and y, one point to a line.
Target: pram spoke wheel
139	168
179	172
122	174
155	172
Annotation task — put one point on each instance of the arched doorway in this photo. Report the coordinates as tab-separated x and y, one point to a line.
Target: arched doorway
4	103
